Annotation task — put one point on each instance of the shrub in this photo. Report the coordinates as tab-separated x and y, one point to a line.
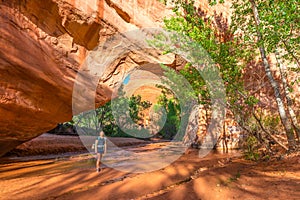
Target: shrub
251	148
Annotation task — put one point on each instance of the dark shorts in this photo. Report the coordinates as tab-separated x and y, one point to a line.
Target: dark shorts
100	149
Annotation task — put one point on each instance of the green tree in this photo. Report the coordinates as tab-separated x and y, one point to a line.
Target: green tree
109	116
255	29
215	36
169	102
269	26
178	100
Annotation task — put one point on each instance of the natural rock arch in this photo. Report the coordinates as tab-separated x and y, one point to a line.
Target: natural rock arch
43	44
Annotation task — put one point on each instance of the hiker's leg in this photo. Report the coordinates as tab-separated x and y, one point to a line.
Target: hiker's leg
98	160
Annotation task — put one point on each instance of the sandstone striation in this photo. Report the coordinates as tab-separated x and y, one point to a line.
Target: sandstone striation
43	45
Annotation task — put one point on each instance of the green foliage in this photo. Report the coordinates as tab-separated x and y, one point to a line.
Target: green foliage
179	86
271	122
198	84
251	100
233	47
251	149
217	39
177	100
272	27
163	1
170	104
109	116
279	27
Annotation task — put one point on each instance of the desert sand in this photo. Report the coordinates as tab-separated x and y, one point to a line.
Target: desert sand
216	176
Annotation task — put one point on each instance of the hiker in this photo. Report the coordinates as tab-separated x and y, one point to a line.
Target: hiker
100	149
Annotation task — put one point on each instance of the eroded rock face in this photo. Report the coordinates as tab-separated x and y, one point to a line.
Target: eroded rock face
43	44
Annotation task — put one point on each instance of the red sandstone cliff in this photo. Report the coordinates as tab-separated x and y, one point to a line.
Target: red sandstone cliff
43	44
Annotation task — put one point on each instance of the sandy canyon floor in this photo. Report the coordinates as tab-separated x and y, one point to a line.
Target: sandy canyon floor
215	176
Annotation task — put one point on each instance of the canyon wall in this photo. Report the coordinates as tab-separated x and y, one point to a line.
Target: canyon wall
43	45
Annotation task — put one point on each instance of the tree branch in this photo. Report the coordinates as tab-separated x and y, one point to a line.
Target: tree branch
269	134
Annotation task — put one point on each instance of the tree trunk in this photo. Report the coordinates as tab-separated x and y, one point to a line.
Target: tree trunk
283	70
269	134
284	119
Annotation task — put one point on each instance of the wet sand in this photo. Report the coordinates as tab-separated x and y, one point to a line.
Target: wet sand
49	144
216	176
